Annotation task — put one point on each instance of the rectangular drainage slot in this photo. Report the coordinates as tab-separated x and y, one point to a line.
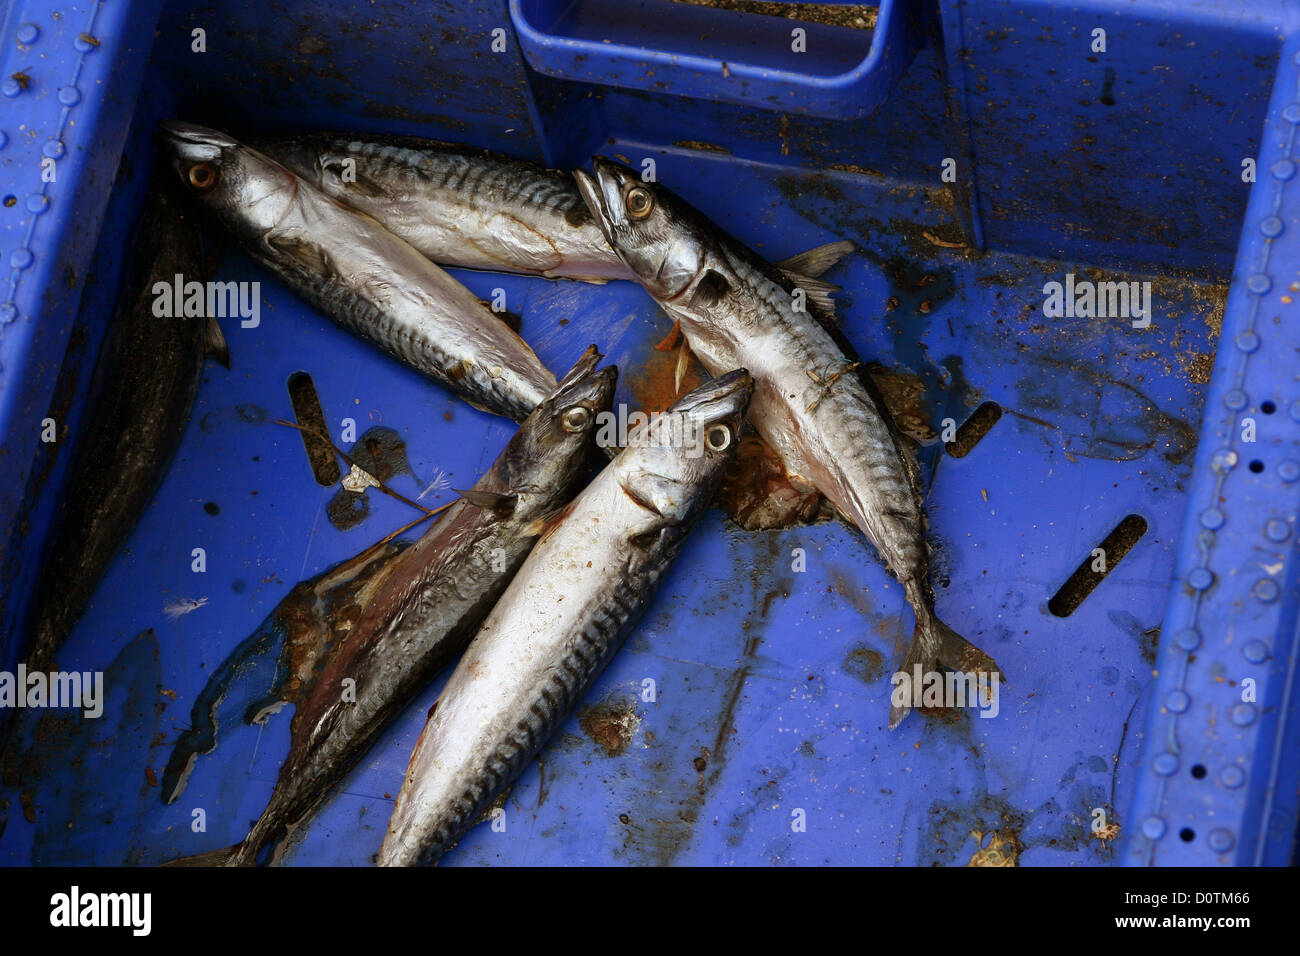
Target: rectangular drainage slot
973	429
306	408
1103	559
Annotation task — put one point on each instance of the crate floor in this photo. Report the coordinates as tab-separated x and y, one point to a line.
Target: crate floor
745	719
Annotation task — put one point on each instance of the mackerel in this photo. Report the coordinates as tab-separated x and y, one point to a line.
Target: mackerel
430	603
563	618
458	206
824	419
365	278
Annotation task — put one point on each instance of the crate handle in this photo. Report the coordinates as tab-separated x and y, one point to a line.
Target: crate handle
661	46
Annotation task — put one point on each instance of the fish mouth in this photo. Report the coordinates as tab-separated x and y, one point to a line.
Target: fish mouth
587	385
193	143
603	192
725	397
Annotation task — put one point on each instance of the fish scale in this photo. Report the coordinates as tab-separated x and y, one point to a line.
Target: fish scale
560	622
368	280
429	603
457	207
735	309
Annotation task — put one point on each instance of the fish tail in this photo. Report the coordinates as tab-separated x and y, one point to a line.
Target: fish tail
959	654
226	856
934	643
922	652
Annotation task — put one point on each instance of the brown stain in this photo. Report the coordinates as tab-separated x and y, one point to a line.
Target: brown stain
757	494
1003	848
700	146
849	16
611	724
653	384
669	837
1197	366
904	394
865	663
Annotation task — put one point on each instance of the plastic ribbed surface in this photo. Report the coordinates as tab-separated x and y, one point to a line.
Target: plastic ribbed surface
69	80
1219	775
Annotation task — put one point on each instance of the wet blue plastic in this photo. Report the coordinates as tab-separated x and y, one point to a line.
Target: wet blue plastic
765	738
665	47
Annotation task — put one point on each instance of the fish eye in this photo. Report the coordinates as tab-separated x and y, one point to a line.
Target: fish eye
718	438
575	419
639	202
202	176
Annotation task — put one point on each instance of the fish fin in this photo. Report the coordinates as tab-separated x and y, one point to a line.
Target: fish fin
214	342
710	290
493	501
814	262
935	643
543	526
308	255
223	857
819	294
683	363
669	341
900	698
961	655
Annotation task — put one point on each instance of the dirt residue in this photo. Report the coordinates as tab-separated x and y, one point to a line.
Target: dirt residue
864	663
1002	849
904	395
611	724
1197	366
855	17
757	494
653	384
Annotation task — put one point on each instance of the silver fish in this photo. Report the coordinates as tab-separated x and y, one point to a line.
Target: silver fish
358	273
828	424
457	206
430	603
563	618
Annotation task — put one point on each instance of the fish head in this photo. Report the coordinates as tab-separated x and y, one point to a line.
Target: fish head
551	451
656	235
673	463
249	192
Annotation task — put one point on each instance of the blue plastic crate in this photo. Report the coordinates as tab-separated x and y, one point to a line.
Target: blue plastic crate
771	685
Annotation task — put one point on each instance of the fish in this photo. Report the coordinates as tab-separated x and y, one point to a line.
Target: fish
365	278
457	206
430	602
824	419
563	617
141	396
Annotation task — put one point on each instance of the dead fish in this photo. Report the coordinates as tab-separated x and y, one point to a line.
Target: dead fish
142	393
366	279
459	207
562	619
827	423
430	602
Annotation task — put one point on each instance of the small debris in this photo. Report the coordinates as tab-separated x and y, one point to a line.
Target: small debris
182	607
358	480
